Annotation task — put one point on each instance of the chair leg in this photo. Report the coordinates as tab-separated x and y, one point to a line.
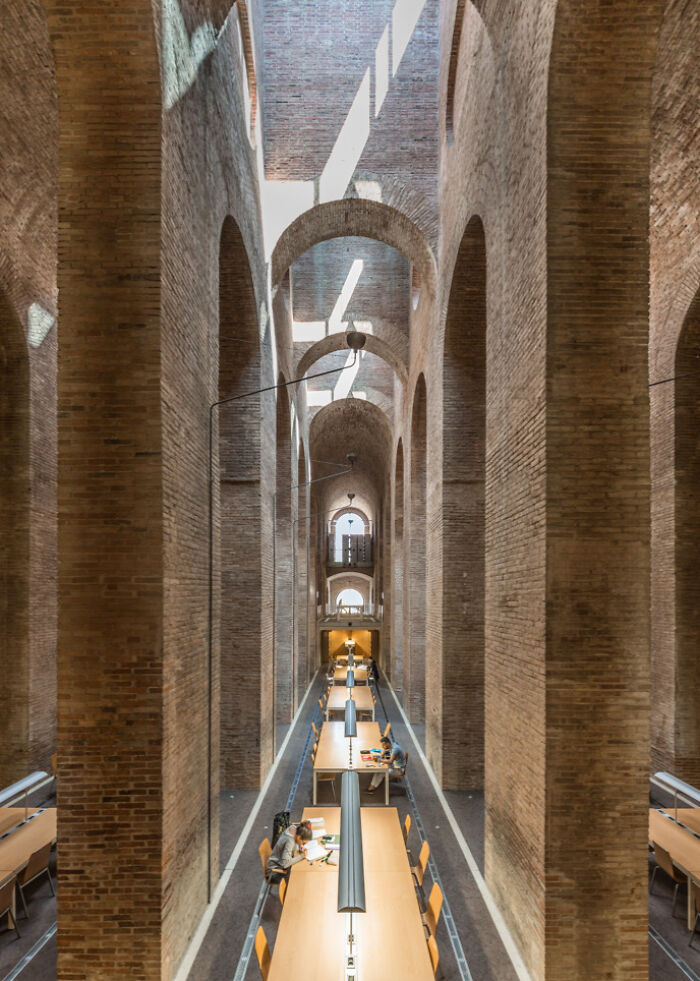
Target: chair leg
14	923
53	891
694	930
653	876
24	903
675	897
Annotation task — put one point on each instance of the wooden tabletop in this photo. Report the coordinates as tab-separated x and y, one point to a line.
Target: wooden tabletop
16	850
11	816
683	848
340	675
689	816
361	696
333	753
391	941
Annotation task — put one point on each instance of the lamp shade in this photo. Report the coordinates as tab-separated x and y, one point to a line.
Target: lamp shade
350	718
351	658
350	681
351	869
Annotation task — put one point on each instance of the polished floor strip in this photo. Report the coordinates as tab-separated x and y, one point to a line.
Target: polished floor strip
498	921
31	954
673	955
204	924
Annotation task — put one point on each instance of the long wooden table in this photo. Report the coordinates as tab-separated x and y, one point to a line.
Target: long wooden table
18	847
683	848
689	816
334	750
340	676
362	696
391	943
10	817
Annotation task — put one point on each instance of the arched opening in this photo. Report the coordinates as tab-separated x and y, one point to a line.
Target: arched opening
349	601
463	558
348	525
397	589
687	513
14	545
285	677
414	672
239	518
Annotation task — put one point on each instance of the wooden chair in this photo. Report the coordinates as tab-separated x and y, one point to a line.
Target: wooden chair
264	850
6	893
327	778
662	860
432	913
313	753
37	866
313	726
434	954
387	730
418	870
406	830
695	899
262	952
282	891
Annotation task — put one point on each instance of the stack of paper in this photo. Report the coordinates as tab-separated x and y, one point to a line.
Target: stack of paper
314	849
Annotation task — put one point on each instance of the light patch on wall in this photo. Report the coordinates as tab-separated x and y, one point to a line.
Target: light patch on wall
365	326
305	331
360	395
404	18
282	202
381	71
335	321
347	377
182	54
39	323
315	399
369	190
347	150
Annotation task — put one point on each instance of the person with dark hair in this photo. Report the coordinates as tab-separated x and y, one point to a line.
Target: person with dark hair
287	852
394	756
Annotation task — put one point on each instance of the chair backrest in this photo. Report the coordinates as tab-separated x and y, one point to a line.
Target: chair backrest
405	766
406	827
313	751
264	850
6	893
283	890
432	913
434	953
320	704
313	726
422	865
387	729
262	952
38	861
663	860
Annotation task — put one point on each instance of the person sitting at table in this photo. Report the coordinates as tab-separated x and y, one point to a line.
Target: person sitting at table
287	852
394	756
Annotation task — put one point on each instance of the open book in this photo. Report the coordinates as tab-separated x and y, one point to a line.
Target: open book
314	849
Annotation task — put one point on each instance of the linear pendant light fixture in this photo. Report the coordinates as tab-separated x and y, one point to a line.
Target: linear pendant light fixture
350	719
351	877
350	680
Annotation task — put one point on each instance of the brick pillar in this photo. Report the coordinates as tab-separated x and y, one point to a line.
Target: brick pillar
397	585
110	499
284	685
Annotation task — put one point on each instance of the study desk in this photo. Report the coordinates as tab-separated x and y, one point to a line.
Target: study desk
17	848
333	754
340	676
362	696
391	942
689	816
683	848
12	816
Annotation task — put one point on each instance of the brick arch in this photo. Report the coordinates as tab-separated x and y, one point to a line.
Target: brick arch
239	519
350	509
337	342
415	619
14	543
687	543
354	217
466	11
463	509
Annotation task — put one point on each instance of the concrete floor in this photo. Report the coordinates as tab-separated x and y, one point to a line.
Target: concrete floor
219	954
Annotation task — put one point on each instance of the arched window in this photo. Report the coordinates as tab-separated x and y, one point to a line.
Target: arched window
350	597
350	523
